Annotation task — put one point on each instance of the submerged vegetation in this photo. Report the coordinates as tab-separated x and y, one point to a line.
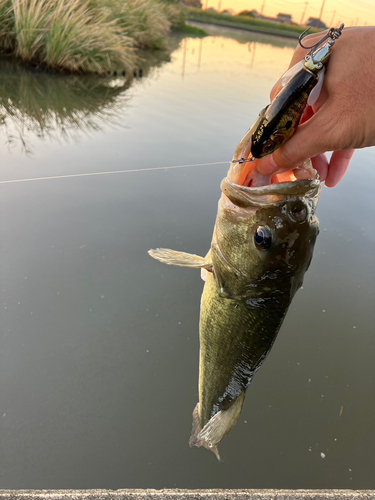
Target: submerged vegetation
85	36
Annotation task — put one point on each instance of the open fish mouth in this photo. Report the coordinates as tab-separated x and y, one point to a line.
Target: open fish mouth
244	171
246	174
245	186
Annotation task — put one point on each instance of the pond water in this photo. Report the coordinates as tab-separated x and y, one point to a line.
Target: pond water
99	343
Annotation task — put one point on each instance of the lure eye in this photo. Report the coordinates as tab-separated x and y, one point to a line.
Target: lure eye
288	124
268	147
263	238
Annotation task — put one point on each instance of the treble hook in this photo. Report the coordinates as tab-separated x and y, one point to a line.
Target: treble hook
302	35
332	33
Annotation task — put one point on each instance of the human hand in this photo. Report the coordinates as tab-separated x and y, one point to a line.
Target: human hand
342	119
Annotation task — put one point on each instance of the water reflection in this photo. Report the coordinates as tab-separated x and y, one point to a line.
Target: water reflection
193	43
236	45
65	106
55	107
34	103
252	49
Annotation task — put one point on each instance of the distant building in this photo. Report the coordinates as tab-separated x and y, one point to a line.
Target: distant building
314	22
281	18
228	12
192	3
249	13
211	9
284	18
271	19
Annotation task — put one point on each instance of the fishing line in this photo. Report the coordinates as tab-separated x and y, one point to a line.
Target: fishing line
92	174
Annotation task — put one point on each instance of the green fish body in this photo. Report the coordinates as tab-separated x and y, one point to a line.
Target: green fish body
262	245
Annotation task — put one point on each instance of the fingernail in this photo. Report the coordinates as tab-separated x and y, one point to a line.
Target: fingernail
267	165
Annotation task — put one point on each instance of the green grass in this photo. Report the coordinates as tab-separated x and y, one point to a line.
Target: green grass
244	22
85	36
192	30
7	34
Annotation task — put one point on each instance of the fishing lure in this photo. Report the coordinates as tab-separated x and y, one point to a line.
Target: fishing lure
301	84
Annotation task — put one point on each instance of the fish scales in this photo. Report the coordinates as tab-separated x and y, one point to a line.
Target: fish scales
250	331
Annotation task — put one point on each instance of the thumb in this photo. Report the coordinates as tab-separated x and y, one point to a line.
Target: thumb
309	140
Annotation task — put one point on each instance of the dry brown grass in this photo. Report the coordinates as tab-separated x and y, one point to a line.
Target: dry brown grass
83	39
84	35
7	35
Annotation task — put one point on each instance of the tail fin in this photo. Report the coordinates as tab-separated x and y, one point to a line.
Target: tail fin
216	428
195	438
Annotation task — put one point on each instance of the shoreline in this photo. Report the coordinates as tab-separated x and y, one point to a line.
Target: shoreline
195	23
246	24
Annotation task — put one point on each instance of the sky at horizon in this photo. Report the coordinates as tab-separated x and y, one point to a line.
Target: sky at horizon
358	13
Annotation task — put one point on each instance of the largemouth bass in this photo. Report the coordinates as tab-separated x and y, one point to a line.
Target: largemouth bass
261	247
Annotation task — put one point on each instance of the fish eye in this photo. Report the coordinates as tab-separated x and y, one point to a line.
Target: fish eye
299	212
268	147
263	238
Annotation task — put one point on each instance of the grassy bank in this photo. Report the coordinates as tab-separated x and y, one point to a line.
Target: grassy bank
85	35
247	23
192	30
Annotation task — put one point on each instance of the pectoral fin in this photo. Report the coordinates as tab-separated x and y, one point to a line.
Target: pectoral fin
181	259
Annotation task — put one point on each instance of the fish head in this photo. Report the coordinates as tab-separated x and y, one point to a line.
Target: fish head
266	234
282	238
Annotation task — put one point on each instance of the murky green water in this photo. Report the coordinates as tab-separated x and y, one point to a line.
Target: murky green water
99	343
